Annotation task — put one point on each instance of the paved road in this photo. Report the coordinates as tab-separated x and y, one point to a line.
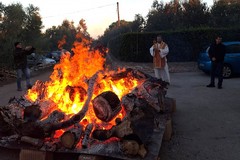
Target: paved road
206	124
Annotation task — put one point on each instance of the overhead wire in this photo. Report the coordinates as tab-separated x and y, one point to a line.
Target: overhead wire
85	10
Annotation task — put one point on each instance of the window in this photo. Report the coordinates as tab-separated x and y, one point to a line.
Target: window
233	48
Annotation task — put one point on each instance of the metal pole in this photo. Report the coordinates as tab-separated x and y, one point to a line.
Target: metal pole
118	14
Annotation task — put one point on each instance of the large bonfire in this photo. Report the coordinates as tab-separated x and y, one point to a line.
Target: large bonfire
88	105
68	83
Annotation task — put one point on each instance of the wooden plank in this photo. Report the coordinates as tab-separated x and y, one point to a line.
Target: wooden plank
26	154
89	157
168	131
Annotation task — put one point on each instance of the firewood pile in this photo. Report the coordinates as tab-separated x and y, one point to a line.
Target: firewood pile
6	73
36	125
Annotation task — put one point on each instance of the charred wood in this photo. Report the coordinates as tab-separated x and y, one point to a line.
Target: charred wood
130	72
106	106
11	117
46	107
33	141
22	101
87	132
5	128
71	137
32	113
32	129
153	93
55	117
118	131
51	145
29	128
133	148
139	122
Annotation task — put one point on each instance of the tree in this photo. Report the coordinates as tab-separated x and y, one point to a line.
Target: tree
82	28
164	16
11	26
114	30
56	33
33	25
138	23
225	13
195	14
12	22
155	18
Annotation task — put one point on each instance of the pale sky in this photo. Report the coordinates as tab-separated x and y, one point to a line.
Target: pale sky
98	14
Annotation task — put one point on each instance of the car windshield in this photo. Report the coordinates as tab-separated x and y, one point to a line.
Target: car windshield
204	49
207	49
233	48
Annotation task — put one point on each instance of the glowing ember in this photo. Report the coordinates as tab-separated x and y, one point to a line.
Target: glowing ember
68	83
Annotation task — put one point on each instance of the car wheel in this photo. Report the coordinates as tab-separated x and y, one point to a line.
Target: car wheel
227	71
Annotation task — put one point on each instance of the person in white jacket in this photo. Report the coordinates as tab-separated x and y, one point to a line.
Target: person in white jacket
159	51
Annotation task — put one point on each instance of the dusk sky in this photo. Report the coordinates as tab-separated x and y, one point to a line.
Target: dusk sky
98	14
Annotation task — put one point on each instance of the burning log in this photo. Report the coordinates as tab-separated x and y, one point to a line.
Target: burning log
40	88
71	137
52	123
106	106
119	131
80	115
55	117
87	133
138	118
32	113
74	90
29	128
130	72
46	107
153	93
21	102
39	111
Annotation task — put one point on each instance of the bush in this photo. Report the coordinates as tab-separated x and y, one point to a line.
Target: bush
184	45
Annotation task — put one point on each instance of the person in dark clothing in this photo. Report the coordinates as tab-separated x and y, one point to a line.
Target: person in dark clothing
20	62
217	53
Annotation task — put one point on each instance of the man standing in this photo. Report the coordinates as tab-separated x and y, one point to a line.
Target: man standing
20	61
159	51
216	53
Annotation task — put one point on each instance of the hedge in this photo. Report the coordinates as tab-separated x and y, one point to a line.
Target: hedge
184	45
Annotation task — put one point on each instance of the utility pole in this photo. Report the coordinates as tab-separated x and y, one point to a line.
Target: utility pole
118	14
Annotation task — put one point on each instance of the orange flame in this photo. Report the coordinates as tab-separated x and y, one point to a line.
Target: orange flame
62	42
67	84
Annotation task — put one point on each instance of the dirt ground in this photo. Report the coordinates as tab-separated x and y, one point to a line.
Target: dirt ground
205	125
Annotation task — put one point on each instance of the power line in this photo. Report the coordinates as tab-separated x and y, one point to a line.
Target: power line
85	10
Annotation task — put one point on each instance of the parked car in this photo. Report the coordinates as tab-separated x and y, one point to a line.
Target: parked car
231	60
56	55
37	60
